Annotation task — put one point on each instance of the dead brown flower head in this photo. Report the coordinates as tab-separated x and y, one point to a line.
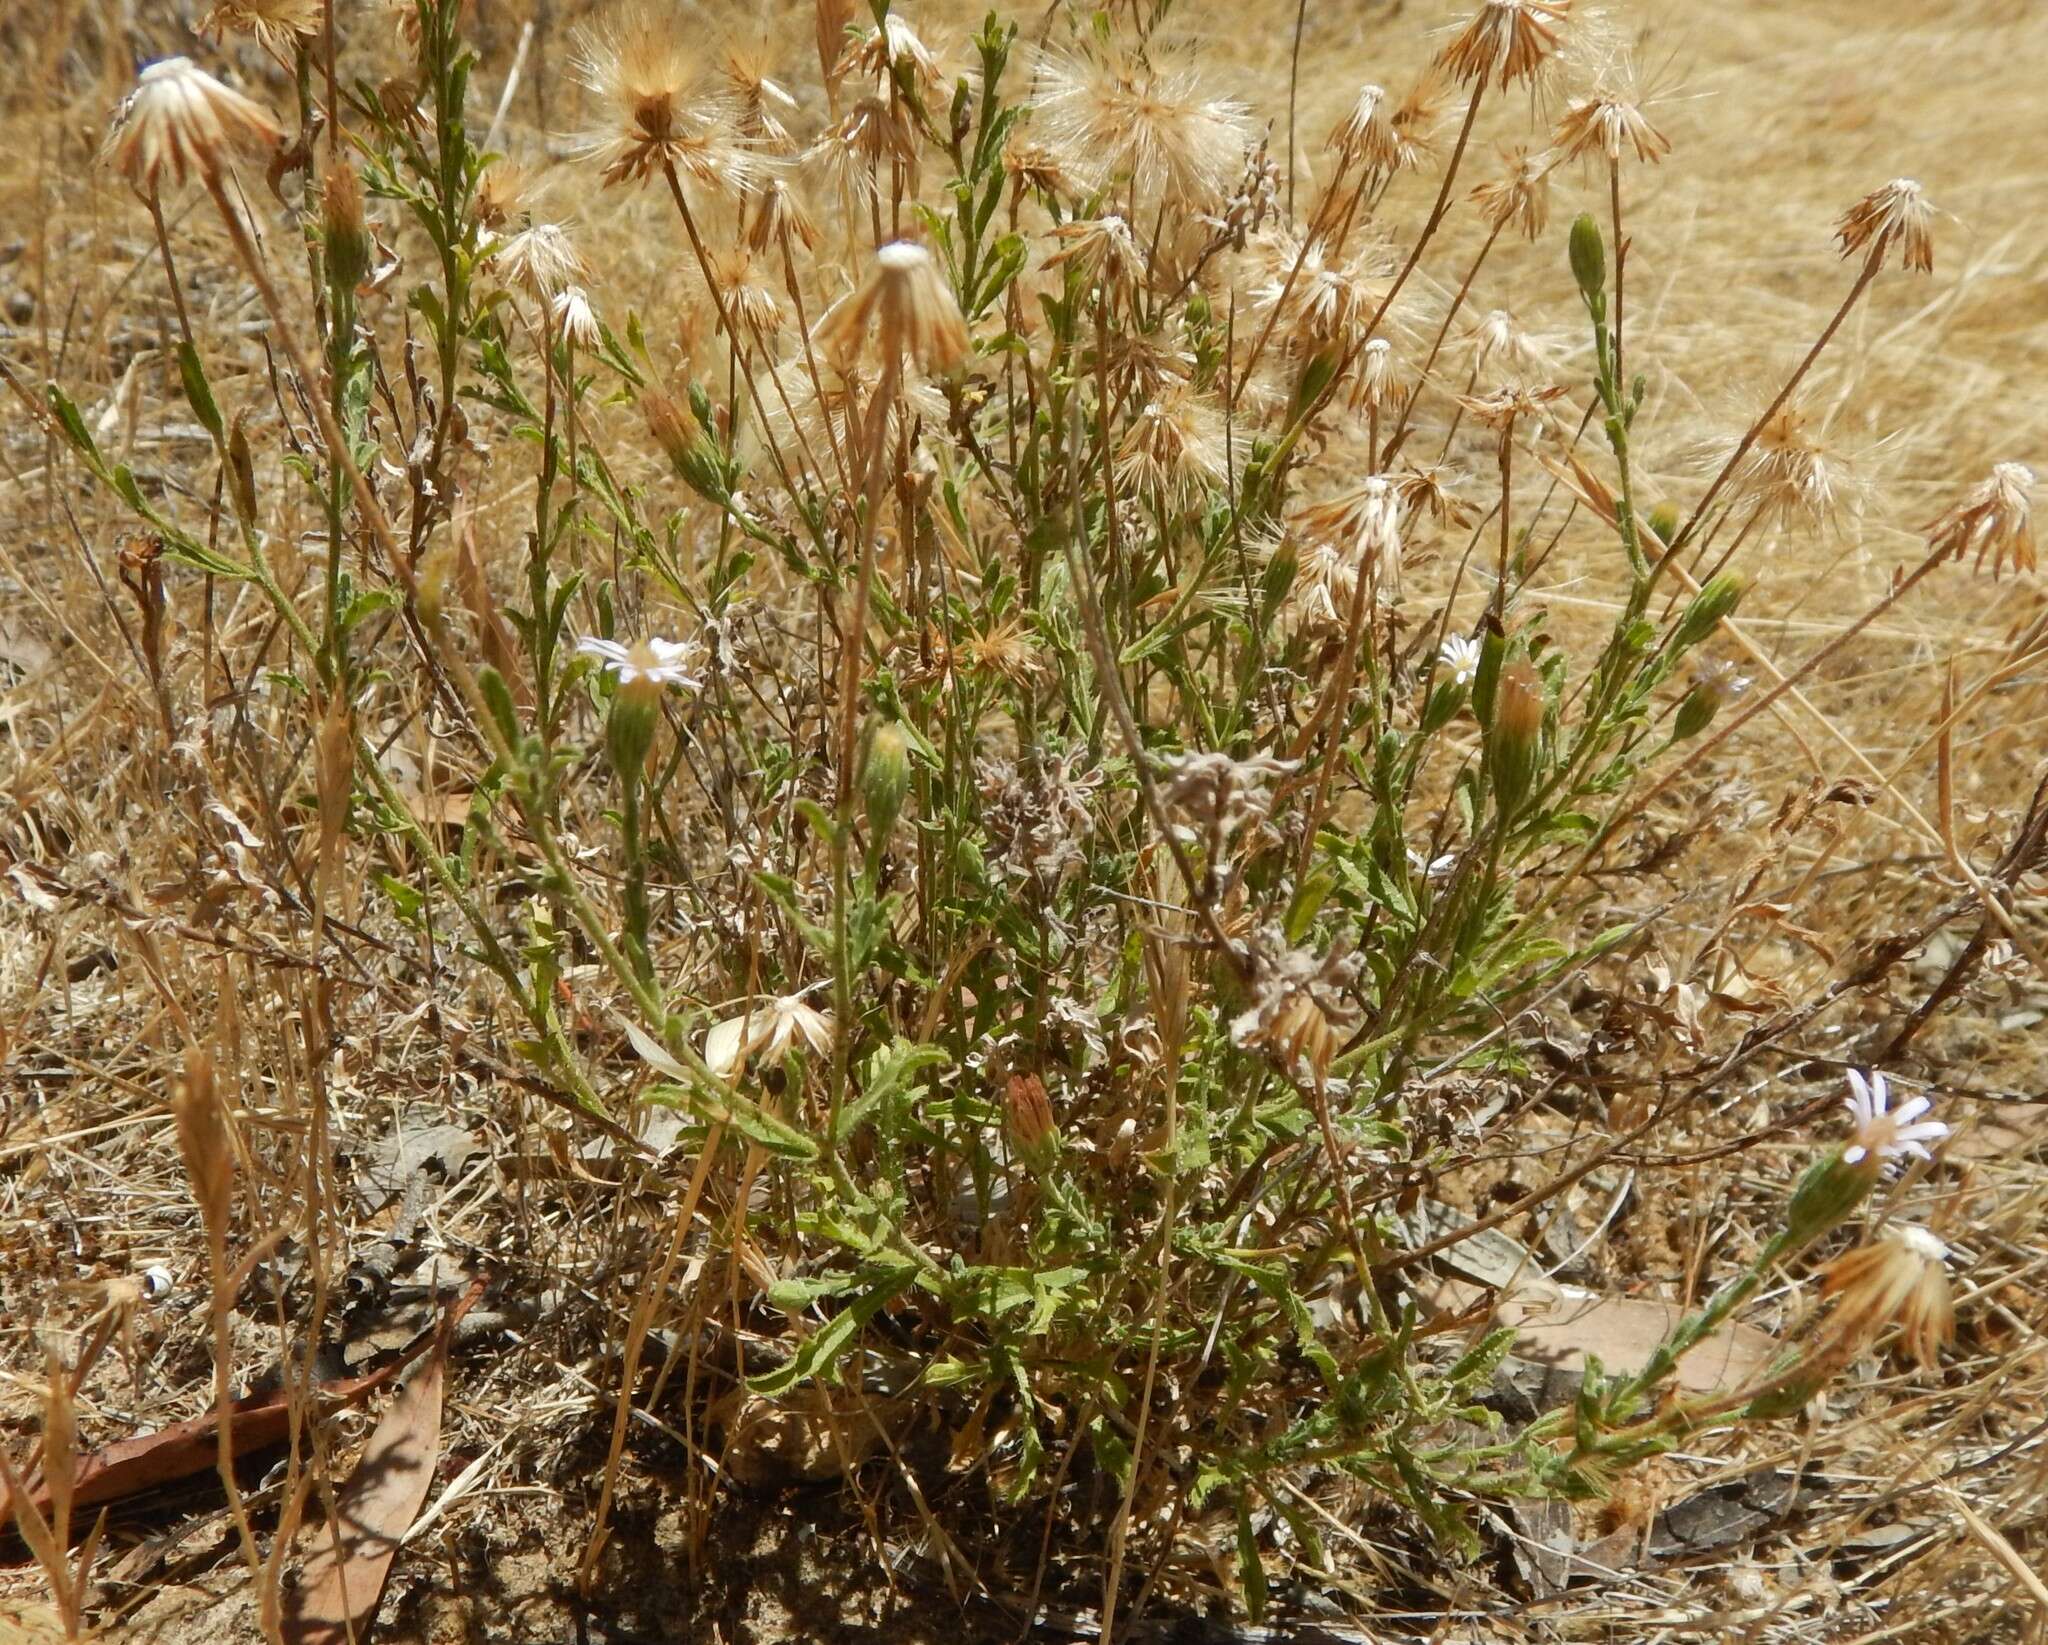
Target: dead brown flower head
1506	40
1900	1278
274	24
1899	214
910	307
1995	519
1519	197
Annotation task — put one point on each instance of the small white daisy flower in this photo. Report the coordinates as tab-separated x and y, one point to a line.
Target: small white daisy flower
1884	1133
1460	654
653	661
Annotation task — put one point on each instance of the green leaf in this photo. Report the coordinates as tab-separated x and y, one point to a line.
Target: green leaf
197	390
741	1114
1251	1569
824	1348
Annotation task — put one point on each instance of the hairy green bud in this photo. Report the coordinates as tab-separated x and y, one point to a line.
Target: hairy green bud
1589	256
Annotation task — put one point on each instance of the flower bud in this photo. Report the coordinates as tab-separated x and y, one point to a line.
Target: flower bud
1715	682
435	566
884	778
1663	522
665	423
1589	256
1828	1192
342	228
629	728
1716	600
1033	1130
1512	739
242	470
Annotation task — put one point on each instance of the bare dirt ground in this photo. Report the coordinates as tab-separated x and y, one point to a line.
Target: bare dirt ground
1909	1509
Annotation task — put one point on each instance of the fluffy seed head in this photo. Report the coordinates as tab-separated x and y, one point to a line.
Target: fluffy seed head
1793	478
542	259
1114	116
1610	120
1519	197
656	117
1175	448
1899	214
780	220
181	122
575	319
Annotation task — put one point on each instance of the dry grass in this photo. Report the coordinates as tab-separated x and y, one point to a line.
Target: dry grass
133	925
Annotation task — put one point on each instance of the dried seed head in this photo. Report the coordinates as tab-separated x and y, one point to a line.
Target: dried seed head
1609	118
1433	491
1375	386
1298	1008
781	221
1415	122
894	49
749	289
1508	404
1149	121
657	117
1365	137
1519	197
543	260
1363	523
1321	302
1174	449
1506	40
1006	650
1034	166
1995	519
826	415
1899	214
1900	1278
575	319
276	25
1792	479
181	122
1497	338
830	18
874	134
1104	247
759	102
502	194
911	308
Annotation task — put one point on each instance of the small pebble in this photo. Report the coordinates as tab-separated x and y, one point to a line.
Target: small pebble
21	307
